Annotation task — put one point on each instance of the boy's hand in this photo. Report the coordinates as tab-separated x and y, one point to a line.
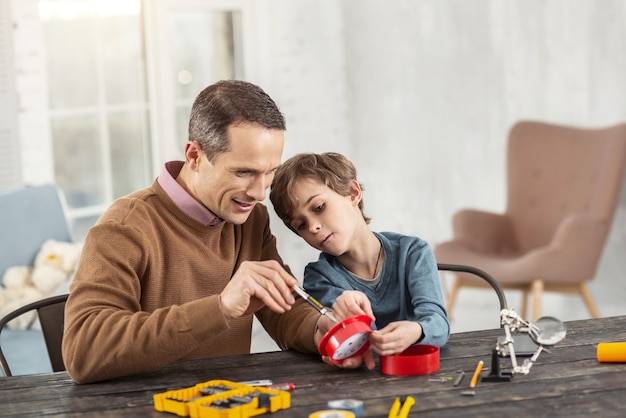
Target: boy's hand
351	303
395	337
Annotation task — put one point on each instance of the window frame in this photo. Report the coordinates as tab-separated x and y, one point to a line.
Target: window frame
156	12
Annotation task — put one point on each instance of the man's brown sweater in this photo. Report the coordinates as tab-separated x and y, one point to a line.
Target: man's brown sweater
145	293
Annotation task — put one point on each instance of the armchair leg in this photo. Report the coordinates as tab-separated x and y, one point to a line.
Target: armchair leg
524	305
588	299
536	289
456	284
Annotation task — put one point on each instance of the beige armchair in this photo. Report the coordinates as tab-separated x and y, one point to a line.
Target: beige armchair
563	186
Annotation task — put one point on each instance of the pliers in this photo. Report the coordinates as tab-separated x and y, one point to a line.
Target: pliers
395	411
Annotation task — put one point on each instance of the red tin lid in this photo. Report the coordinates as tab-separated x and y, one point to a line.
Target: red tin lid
346	339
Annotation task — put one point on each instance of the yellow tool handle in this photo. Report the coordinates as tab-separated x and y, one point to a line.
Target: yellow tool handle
404	413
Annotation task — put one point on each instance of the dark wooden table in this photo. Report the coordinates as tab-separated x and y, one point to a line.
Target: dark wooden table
567	381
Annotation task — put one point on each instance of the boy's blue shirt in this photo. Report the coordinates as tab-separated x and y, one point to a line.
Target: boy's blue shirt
409	287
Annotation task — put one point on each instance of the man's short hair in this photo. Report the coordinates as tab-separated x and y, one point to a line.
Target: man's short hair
226	103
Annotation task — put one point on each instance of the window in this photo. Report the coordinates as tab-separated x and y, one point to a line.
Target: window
190	45
110	114
99	111
196	64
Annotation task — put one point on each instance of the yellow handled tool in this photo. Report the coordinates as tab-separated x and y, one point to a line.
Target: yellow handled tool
396	412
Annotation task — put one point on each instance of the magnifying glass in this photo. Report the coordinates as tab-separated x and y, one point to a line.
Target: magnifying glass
547	331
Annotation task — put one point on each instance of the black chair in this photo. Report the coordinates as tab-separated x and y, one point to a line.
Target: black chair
50	312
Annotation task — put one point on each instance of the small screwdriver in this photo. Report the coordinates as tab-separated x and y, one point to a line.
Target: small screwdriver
321	308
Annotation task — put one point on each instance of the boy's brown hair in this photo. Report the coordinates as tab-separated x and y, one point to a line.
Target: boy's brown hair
330	168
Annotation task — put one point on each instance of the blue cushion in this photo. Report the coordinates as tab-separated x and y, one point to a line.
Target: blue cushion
28	217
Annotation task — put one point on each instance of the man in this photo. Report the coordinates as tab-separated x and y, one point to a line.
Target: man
174	271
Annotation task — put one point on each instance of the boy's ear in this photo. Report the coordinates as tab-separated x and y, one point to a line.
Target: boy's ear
356	193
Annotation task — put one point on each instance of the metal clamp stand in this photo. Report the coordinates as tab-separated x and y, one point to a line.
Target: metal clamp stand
546	331
497	375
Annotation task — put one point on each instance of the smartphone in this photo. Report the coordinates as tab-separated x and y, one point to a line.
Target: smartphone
524	346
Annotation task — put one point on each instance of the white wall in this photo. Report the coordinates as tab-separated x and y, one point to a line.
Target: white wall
421	94
304	70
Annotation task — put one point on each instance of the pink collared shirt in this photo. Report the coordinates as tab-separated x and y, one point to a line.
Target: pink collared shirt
186	202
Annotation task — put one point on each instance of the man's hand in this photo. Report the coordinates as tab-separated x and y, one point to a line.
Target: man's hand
351	303
395	337
254	285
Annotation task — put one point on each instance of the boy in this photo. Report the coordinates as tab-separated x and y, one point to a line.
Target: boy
390	277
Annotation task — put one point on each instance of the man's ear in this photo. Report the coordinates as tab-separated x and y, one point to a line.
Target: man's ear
356	193
193	154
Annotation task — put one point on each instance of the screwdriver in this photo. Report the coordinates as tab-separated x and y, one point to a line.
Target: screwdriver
321	308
